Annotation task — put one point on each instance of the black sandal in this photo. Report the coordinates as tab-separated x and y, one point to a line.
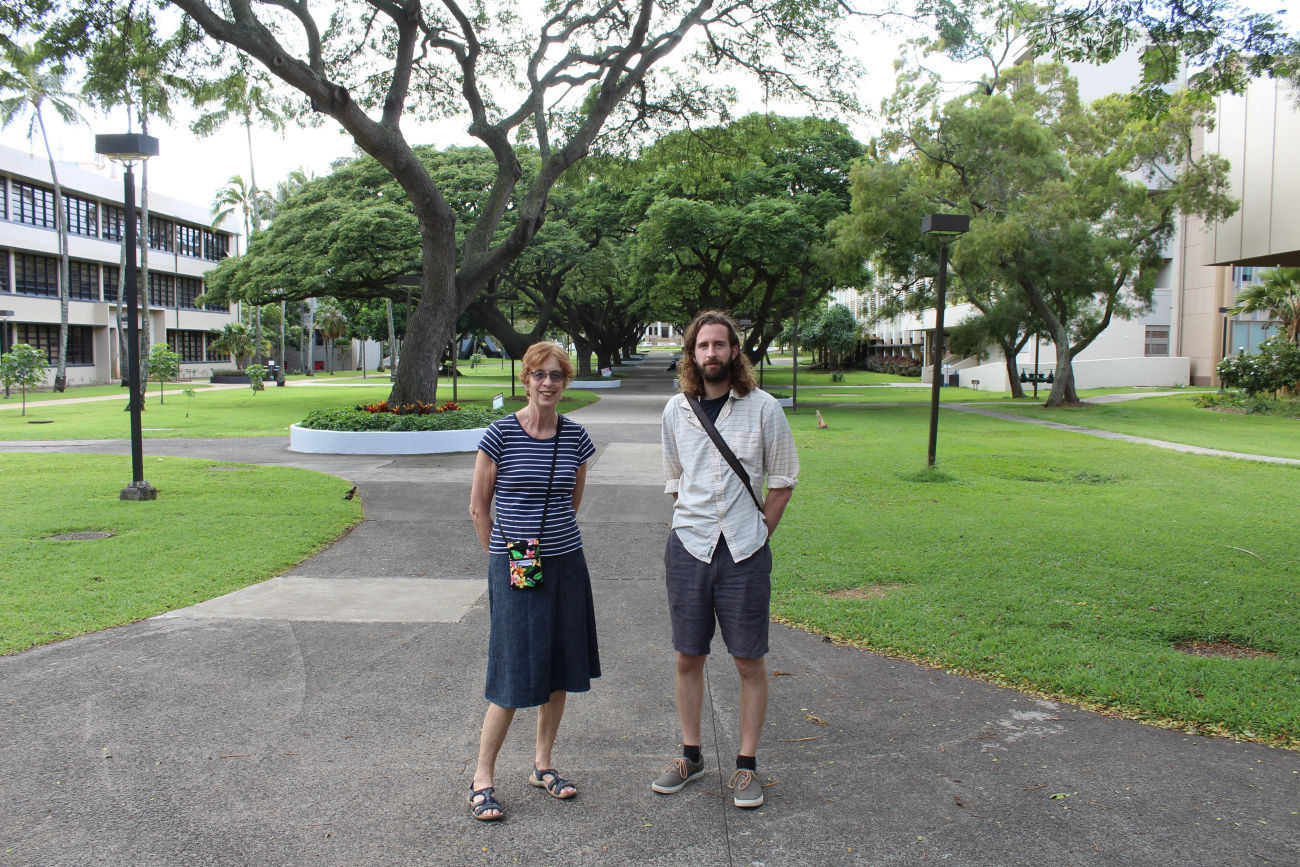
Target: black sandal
556	786
486	802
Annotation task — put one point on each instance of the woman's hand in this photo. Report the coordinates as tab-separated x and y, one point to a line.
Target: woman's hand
480	498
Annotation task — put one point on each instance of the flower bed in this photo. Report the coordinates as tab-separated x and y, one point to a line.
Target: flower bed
380	429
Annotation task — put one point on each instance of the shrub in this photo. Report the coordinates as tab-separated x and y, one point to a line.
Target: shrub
894	365
1275	366
356	419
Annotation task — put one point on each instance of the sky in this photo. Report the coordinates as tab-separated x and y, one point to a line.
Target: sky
193	169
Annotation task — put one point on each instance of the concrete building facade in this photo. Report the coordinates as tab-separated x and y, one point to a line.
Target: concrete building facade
183	246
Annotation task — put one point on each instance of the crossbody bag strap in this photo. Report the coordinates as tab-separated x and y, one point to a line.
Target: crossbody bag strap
727	454
550	483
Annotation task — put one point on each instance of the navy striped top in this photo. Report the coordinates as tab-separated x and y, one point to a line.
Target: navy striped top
523	464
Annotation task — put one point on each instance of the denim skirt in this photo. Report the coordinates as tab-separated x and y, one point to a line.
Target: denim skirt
542	639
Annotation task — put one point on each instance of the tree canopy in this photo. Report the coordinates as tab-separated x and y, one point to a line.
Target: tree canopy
556	82
1071	205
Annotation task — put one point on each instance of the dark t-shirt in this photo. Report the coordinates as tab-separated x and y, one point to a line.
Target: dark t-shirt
713	406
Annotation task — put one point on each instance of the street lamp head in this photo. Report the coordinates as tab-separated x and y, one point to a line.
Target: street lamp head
945	224
126	147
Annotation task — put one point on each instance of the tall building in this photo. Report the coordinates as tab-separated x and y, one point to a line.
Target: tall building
183	246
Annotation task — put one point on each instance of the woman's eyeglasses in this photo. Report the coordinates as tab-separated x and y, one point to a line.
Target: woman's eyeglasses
540	376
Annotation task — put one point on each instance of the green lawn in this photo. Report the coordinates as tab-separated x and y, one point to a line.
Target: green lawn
1066	565
225	412
215	527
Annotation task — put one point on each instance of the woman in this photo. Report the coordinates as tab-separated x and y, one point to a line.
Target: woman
542	643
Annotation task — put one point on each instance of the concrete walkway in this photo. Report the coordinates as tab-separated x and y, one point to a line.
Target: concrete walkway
340	727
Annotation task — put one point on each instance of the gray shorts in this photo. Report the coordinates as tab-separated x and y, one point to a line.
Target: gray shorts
737	595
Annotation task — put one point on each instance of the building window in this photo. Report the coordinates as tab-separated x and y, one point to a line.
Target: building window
161	234
112	276
84	282
1157	340
82	215
1247	336
81	345
192	346
36	275
215	246
114	223
162	290
187	289
189	240
35	206
4	271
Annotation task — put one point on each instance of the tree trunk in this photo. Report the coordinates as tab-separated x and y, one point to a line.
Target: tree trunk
432	325
583	350
309	341
64	277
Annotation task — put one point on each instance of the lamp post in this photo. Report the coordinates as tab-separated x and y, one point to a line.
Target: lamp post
127	148
945	227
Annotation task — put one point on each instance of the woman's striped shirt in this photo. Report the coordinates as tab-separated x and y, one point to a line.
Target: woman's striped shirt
523	468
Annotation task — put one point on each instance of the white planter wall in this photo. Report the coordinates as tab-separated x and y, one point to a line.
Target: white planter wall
424	442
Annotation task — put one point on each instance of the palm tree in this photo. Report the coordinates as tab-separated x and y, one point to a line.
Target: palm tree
247	198
1278	293
332	325
235	340
34	85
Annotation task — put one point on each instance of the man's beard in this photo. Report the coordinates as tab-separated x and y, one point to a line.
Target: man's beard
721	373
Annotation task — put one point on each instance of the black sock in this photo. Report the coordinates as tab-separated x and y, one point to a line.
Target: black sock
748	763
692	753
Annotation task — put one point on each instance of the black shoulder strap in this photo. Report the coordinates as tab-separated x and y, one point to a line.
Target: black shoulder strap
727	454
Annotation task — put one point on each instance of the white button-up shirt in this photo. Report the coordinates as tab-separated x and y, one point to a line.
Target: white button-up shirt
711	499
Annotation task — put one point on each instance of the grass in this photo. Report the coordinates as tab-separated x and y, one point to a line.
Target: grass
1178	419
216	527
1067	566
223	412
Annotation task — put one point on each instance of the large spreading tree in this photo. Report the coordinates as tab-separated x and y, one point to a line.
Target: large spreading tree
560	81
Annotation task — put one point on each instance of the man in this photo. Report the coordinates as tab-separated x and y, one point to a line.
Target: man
717	560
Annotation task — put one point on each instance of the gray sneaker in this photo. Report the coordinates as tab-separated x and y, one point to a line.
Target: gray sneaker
748	790
679	772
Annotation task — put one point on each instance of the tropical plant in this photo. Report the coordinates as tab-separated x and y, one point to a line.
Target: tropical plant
1277	292
332	325
234	339
246	198
164	364
23	366
36	81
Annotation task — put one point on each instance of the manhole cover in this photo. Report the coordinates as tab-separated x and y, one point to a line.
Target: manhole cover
78	537
40	421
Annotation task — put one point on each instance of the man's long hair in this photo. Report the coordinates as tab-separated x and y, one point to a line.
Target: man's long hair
691	379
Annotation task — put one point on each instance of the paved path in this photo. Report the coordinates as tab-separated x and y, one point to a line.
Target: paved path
279	733
1112	435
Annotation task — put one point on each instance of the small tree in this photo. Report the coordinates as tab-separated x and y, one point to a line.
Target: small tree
256	376
23	366
163	365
